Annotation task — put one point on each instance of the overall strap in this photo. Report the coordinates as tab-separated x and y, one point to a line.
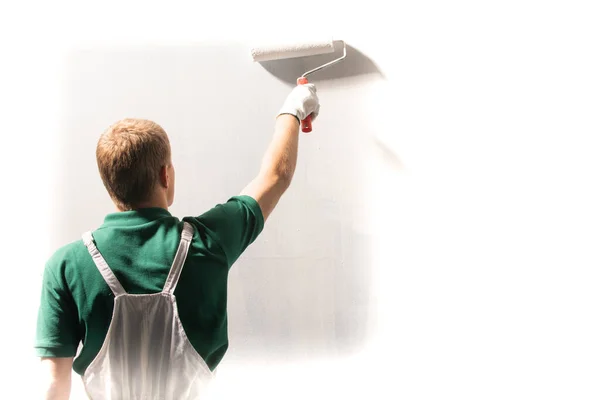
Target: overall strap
182	251
110	278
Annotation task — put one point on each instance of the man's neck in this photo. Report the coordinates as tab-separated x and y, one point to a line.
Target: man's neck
149	204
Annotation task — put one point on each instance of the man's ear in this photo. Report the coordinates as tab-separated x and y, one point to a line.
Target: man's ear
164	176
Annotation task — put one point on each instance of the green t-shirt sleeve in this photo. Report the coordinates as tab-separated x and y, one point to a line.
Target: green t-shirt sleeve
234	225
56	332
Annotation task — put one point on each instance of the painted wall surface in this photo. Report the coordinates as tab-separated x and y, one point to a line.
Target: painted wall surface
440	239
303	289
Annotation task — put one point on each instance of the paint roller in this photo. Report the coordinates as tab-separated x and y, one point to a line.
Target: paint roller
281	51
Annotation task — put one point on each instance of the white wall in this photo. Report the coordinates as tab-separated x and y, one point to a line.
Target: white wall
440	239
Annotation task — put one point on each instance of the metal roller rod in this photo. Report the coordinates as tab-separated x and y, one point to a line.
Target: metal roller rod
328	64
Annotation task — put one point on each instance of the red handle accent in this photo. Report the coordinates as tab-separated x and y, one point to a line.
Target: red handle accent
307	122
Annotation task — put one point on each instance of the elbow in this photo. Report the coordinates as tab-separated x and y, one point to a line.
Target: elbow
284	179
277	177
282	175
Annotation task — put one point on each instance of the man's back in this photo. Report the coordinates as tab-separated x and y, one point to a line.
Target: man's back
139	247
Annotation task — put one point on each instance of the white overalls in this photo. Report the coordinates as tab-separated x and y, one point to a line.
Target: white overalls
146	354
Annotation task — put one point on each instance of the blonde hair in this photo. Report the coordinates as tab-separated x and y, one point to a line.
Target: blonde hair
130	155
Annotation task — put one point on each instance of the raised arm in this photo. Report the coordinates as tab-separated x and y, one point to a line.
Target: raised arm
279	162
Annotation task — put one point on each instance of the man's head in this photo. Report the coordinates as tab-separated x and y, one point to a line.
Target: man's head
134	160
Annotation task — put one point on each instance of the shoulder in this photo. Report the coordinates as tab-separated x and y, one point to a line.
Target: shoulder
64	258
230	226
239	213
237	206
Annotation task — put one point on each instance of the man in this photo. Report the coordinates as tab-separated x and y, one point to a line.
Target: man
137	252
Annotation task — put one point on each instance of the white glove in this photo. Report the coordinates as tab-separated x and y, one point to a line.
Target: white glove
302	102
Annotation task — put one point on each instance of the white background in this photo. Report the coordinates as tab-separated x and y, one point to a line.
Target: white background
477	192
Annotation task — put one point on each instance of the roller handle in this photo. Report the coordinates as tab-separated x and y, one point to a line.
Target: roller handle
307	122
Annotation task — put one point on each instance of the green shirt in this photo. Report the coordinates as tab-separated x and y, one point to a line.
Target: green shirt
139	247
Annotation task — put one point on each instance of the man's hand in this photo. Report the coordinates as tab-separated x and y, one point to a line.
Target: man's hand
279	162
56	374
302	102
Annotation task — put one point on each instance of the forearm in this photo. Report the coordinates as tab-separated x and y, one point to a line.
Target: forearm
279	161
